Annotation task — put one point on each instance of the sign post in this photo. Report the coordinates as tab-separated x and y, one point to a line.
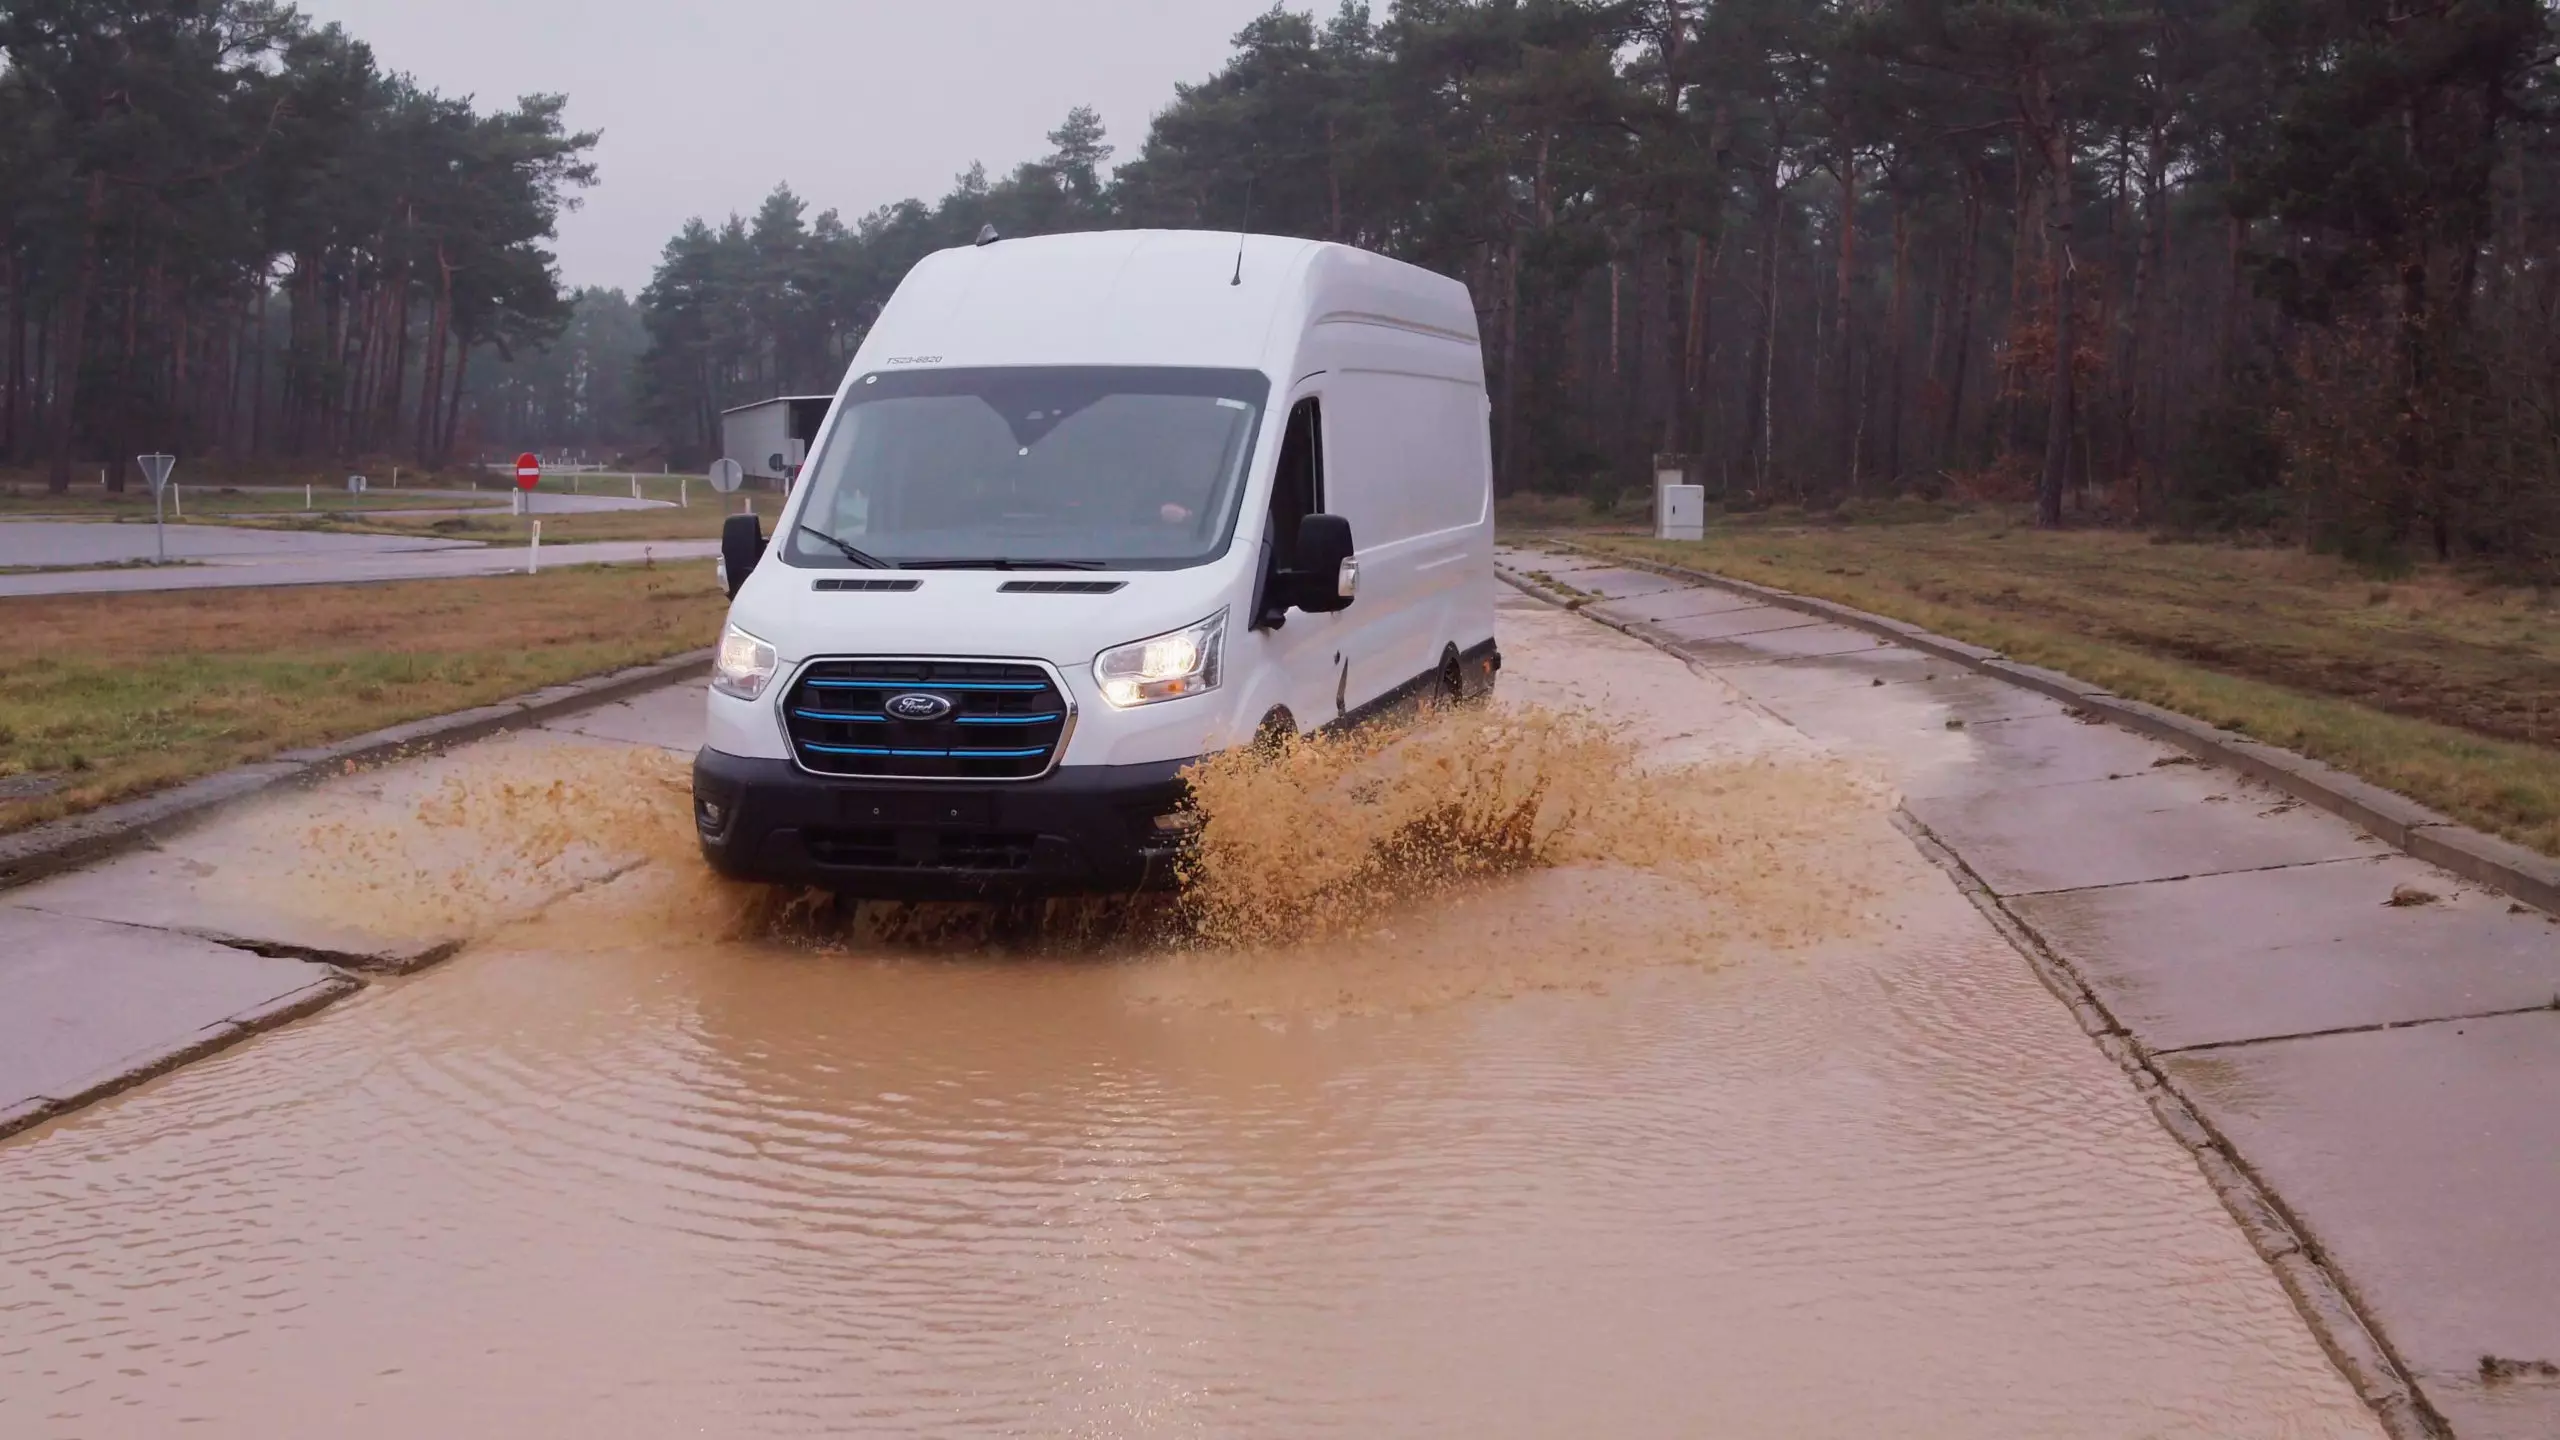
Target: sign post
155	471
727	475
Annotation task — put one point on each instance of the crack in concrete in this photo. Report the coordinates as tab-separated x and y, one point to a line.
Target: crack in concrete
2553	1004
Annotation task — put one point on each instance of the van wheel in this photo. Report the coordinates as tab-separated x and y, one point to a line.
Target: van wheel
1275	732
1453	677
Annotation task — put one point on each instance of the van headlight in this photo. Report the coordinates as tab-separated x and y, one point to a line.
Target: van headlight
1163	667
745	665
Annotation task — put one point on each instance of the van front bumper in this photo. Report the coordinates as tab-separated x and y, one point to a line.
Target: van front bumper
1078	829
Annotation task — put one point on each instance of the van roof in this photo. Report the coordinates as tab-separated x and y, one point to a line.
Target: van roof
1149	297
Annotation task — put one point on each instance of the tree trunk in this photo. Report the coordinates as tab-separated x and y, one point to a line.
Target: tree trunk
2146	266
1968	274
1768	428
258	361
1847	324
1895	324
68	353
453	406
12	406
433	389
2054	135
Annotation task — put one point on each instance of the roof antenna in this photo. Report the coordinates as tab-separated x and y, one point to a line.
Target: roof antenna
1247	230
987	234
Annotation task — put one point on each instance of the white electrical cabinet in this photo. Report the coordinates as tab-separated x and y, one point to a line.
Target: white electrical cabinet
1683	513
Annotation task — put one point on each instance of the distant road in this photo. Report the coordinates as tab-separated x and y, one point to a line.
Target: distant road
223	557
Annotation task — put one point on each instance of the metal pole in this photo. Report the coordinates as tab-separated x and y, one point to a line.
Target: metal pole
159	527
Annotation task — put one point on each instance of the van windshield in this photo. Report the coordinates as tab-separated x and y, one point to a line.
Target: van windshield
1103	467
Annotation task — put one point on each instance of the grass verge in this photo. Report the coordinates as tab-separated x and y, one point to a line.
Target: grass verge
106	696
2436	685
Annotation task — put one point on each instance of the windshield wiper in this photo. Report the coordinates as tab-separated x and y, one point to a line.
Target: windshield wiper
856	556
1000	563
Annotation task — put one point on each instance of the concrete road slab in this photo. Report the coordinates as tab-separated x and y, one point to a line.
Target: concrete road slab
1749	618
1624	584
671	718
2051	749
381	870
2159	826
2227	958
2424	1162
83	1002
1680	604
1790	642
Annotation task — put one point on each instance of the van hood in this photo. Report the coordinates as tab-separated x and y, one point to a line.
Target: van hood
1062	616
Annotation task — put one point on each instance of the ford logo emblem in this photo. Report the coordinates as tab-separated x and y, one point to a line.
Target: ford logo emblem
916	705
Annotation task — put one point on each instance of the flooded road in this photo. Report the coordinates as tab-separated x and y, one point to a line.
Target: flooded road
1768	1134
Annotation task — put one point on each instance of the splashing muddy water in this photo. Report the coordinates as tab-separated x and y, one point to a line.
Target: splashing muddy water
1767	1135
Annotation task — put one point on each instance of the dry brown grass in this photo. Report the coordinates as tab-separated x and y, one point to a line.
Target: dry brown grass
107	696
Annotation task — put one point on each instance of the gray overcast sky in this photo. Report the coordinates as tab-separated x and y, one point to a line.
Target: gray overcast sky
706	104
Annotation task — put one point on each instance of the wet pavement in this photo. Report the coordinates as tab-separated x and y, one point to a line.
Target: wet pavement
2375	1039
1791	1145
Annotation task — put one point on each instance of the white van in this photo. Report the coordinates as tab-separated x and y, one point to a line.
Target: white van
1087	508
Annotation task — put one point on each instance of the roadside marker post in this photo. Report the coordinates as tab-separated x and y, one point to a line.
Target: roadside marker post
155	472
684	497
533	552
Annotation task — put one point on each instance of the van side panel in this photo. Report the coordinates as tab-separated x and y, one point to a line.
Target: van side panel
1405	464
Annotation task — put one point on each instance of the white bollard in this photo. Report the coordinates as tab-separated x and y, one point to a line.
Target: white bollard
306	497
684	493
178	501
533	552
635	487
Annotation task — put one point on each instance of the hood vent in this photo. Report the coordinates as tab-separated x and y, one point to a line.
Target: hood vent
839	584
1059	587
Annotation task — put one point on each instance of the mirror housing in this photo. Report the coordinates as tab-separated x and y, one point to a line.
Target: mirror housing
1325	573
741	546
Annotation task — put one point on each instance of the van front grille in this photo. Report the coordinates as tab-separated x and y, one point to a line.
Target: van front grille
926	719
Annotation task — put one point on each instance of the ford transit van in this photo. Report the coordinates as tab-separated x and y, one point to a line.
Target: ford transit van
1086	509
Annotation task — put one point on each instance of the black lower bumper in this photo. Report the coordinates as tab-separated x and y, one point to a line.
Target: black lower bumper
1080	829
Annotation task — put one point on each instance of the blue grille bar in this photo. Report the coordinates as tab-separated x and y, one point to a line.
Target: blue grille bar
925	754
922	685
1041	719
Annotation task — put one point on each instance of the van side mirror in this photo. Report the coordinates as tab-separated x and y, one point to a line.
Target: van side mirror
1326	573
741	546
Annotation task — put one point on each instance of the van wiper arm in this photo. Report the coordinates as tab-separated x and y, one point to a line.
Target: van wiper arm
856	556
1000	563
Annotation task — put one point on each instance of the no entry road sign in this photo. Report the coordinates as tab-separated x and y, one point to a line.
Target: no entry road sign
528	471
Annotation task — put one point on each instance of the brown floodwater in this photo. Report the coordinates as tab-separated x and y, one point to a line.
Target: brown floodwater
1696	1104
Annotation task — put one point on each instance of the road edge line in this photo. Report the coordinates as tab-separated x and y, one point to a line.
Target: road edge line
2393	818
49	849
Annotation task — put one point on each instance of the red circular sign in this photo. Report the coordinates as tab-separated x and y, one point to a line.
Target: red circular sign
528	471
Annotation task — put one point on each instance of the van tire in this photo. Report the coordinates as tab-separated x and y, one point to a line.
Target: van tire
1453	677
1276	730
